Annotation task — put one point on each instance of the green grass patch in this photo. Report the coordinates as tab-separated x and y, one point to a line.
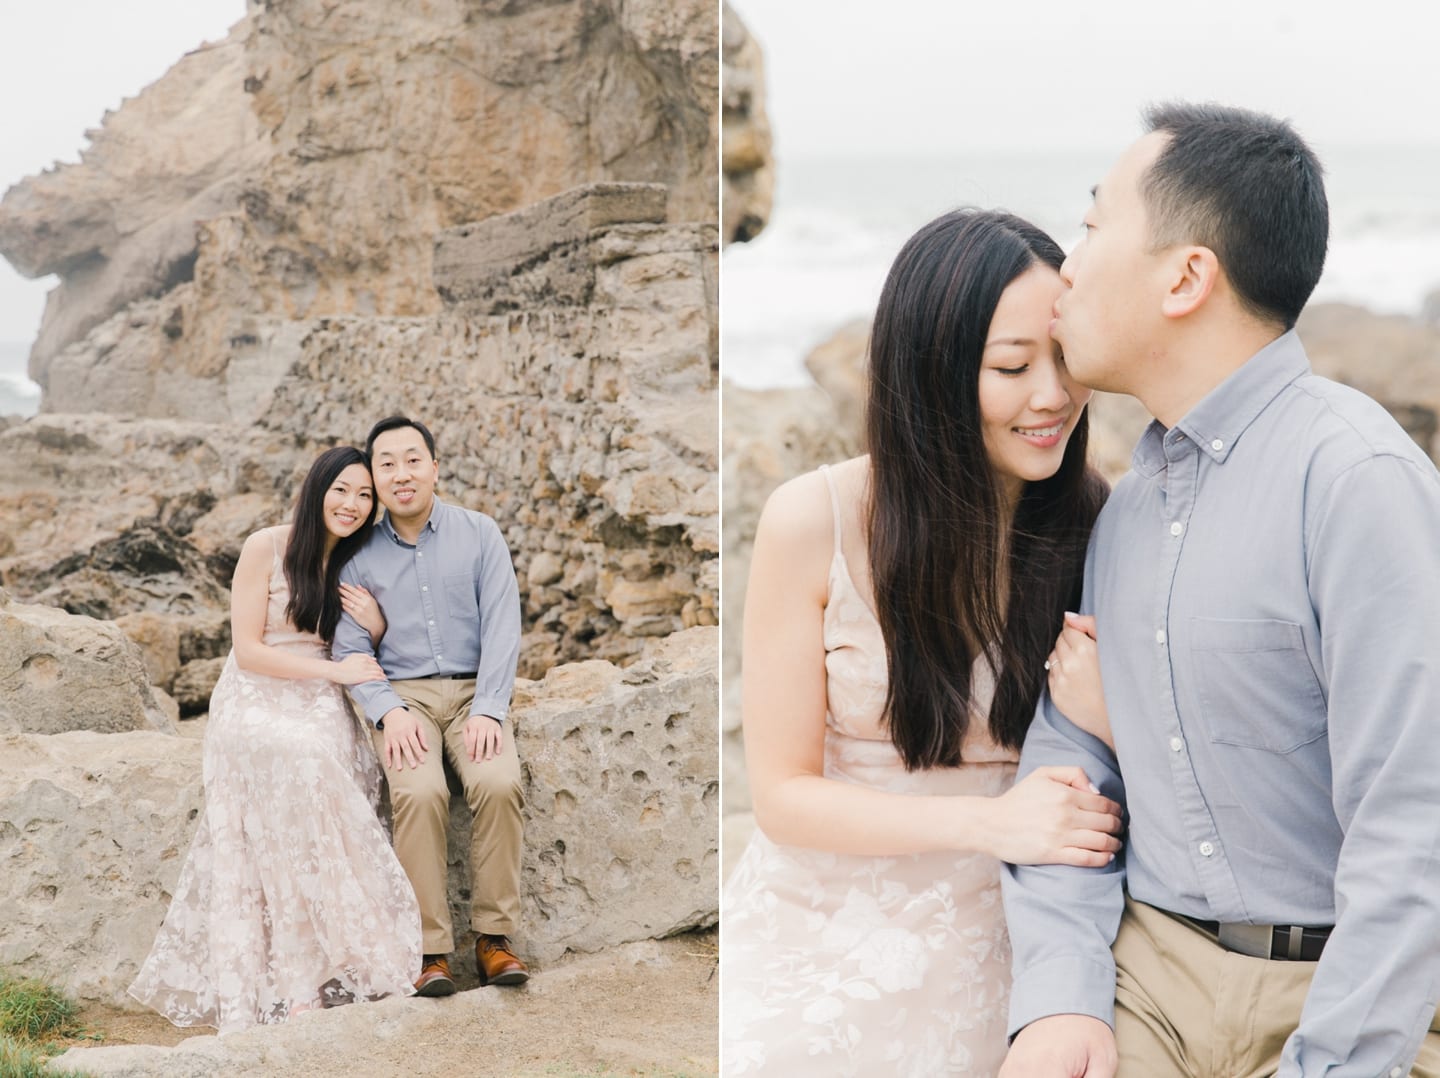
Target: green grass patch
32	1011
34	1017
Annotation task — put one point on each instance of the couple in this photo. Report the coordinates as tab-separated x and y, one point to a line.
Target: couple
292	898
1261	596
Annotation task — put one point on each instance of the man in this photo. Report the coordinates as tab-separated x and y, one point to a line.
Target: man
1267	595
444	580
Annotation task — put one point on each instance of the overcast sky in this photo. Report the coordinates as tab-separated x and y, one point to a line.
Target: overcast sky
62	64
930	77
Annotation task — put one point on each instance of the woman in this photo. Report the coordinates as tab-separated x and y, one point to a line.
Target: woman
291	897
899	613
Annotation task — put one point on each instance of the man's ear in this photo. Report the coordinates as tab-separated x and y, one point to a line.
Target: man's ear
1196	271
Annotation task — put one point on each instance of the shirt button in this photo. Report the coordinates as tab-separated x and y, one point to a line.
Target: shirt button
1176	744
1395	1072
1159	636
1176	528
1217	445
1206	849
432	621
424	587
419	553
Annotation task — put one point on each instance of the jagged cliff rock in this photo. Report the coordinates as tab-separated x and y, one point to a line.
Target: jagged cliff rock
302	167
749	166
620	822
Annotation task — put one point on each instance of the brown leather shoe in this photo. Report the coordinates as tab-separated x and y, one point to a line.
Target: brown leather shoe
435	979
496	963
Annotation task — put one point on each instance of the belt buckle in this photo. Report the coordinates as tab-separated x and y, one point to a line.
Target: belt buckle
1254	940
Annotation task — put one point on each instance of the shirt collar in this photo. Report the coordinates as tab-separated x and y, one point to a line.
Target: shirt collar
1226	412
431	525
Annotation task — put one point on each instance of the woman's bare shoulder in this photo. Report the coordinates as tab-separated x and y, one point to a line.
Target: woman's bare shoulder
799	511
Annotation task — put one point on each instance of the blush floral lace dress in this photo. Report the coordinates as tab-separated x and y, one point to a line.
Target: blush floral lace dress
291	897
856	965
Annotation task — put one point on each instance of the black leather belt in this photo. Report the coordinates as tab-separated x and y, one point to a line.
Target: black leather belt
1292	943
439	677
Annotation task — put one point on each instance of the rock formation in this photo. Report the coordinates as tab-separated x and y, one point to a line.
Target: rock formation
621	806
62	671
499	217
301	168
749	168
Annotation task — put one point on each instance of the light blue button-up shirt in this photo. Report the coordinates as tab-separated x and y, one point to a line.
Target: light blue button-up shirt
451	605
1266	583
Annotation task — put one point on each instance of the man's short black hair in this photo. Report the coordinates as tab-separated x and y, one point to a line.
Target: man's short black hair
396	422
1247	186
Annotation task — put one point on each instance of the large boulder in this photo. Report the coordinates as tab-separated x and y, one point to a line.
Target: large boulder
623	798
62	672
621	823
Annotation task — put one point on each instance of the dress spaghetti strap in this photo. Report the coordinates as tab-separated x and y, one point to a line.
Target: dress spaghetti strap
834	502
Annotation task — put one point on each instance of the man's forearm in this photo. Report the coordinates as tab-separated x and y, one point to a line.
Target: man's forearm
1063	919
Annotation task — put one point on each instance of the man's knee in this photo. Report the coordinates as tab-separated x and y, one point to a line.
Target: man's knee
494	788
428	795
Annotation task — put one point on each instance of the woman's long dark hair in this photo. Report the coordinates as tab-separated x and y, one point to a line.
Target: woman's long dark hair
314	580
939	550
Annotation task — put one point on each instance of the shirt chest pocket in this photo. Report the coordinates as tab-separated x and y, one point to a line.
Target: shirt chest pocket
460	596
1255	684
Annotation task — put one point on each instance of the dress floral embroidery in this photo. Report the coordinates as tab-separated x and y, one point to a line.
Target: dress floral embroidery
848	965
291	896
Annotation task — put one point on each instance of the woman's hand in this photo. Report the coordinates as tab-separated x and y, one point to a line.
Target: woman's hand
1075	686
1053	816
361	605
356	669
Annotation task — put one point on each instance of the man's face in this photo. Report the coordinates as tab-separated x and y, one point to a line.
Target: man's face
1109	320
405	473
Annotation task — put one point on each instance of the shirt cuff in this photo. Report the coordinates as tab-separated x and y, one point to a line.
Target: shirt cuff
381	704
1065	984
494	707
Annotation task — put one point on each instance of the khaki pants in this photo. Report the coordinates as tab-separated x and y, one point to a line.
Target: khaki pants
1188	1008
420	802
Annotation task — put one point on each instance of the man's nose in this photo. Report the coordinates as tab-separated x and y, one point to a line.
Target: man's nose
1050	393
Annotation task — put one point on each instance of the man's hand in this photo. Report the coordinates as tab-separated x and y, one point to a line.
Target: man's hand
1062	1046
404	739
483	737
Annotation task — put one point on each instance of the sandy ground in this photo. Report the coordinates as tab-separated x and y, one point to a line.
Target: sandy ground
649	1009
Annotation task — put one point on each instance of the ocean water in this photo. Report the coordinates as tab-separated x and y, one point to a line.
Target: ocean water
838	223
18	395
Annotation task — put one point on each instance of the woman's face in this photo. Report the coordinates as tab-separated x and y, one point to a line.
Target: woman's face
349	501
1029	404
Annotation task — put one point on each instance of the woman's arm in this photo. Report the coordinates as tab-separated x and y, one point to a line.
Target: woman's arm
249	598
1052	817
